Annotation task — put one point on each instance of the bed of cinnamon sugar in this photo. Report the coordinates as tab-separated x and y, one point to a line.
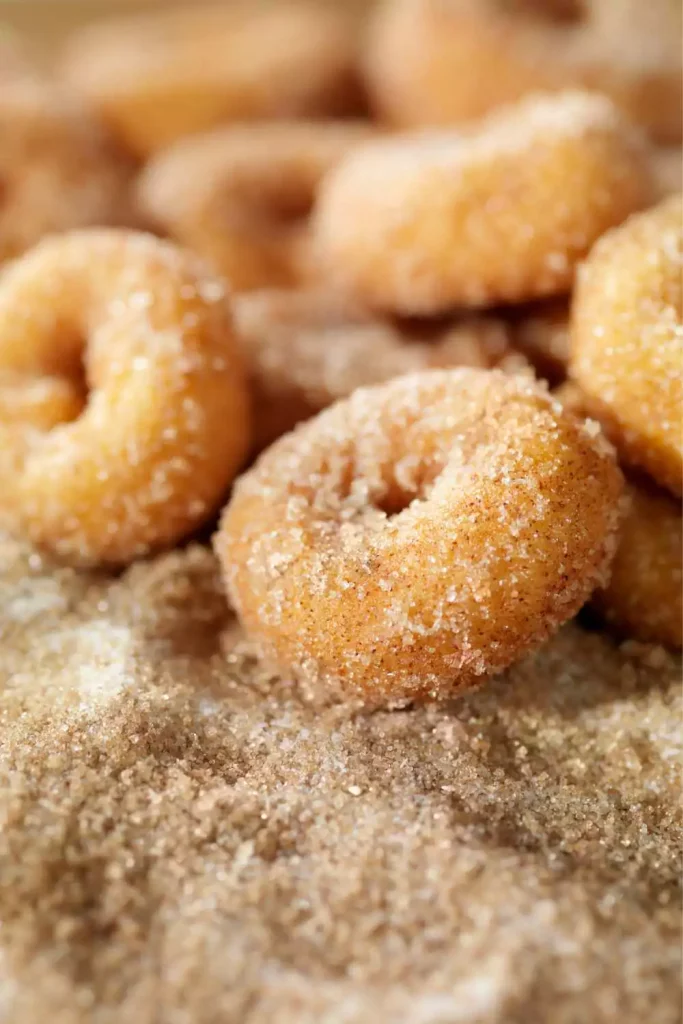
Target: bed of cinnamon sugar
187	840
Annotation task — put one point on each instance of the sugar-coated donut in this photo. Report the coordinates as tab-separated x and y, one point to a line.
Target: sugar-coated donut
306	349
241	195
450	61
422	224
58	170
421	534
165	426
161	75
644	596
627	339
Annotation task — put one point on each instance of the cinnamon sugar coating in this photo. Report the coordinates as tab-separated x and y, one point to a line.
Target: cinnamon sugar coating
502	213
421	534
627	339
138	324
186	838
307	348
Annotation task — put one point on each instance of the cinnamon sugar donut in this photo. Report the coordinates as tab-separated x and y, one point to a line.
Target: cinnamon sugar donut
627	339
58	170
306	349
450	61
421	534
419	225
644	596
152	451
241	195
161	75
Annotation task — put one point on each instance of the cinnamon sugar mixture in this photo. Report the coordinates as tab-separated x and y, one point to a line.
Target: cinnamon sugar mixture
187	840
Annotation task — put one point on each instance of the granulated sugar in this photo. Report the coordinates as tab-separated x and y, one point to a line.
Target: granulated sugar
185	840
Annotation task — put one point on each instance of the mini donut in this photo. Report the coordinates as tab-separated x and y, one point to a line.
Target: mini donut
436	62
627	339
137	324
421	534
240	196
58	170
420	225
541	332
306	349
644	597
159	76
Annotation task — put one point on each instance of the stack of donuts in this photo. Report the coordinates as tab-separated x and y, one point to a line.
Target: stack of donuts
392	303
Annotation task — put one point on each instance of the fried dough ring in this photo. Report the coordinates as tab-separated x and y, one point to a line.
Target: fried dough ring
644	596
240	196
450	61
166	422
58	170
421	534
423	224
307	349
627	339
159	76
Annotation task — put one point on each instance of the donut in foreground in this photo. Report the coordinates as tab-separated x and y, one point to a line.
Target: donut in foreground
503	213
421	534
123	403
627	339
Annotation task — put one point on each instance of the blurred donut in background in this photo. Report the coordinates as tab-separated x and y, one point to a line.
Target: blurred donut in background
159	76
58	167
305	349
450	61
241	195
501	214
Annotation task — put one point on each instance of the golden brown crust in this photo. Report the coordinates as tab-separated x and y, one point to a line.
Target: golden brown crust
166	422
644	597
421	534
627	339
502	214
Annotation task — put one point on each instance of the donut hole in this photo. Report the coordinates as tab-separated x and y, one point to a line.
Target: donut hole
40	403
391	486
